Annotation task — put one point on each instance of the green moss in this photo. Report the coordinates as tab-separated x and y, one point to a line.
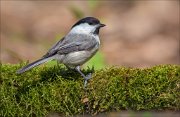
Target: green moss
55	89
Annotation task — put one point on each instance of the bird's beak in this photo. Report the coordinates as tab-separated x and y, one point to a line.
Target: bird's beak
102	25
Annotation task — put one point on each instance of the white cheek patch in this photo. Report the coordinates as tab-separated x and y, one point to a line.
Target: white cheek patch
84	28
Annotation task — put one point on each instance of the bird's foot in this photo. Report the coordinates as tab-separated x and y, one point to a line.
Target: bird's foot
87	77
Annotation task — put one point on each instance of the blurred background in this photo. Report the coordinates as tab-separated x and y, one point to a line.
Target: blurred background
138	33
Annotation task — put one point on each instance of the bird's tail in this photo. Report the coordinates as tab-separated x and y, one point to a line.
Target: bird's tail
33	64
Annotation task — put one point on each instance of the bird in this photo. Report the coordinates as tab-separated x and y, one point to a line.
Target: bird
75	48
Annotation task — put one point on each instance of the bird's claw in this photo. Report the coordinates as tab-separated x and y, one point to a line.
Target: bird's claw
87	78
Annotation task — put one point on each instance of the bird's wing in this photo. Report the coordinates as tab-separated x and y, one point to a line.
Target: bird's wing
53	49
72	43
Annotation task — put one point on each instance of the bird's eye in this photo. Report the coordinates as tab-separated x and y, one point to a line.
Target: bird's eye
90	23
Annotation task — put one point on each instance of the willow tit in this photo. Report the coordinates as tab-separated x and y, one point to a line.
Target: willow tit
76	48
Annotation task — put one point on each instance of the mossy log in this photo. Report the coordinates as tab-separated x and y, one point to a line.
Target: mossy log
44	89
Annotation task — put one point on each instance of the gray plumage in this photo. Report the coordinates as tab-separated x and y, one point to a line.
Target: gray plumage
65	48
72	43
33	64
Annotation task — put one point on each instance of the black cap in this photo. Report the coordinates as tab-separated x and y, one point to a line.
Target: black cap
89	20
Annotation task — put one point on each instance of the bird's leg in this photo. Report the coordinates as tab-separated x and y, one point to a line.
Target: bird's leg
86	78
